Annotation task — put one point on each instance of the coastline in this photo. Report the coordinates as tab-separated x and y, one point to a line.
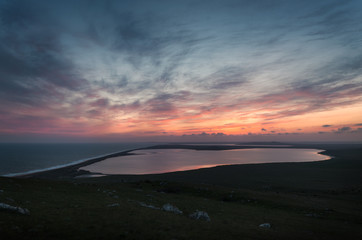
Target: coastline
72	171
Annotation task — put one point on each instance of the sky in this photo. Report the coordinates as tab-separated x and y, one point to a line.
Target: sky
151	70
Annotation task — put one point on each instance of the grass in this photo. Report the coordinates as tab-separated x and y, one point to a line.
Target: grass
320	200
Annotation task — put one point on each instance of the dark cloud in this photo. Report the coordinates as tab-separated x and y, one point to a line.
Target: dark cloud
165	103
358	124
204	134
333	20
34	62
142	38
224	79
113	84
94	113
327	125
358	130
311	98
101	103
220	134
343	130
131	107
263	129
33	68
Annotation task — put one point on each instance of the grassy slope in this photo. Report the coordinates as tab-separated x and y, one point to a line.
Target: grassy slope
301	200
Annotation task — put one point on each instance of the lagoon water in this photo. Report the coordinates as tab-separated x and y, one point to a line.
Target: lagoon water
152	161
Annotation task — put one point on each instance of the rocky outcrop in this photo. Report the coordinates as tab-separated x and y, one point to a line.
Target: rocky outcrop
7	207
113	205
200	215
170	208
265	225
148	205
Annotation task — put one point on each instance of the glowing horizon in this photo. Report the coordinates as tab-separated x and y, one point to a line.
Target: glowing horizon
230	70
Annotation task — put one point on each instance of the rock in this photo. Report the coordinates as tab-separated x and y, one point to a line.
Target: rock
23	211
113	205
4	206
265	225
170	208
200	215
148	206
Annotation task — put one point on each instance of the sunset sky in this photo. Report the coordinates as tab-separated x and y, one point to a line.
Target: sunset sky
181	70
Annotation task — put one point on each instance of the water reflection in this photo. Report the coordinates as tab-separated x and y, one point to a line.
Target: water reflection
169	160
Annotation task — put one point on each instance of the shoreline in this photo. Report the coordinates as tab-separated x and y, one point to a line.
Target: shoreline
81	161
72	170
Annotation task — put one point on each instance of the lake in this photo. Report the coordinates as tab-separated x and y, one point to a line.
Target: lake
151	161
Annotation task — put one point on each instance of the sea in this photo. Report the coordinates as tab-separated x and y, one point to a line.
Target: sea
22	158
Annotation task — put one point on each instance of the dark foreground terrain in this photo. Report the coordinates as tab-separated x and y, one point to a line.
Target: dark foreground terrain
319	200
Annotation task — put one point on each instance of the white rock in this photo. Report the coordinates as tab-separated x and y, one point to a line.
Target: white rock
200	215
148	205
8	207
170	208
265	225
113	205
23	211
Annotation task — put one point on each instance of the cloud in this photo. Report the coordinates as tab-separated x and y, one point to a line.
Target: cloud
225	78
309	99
327	125
358	130
101	103
343	130
33	67
204	134
111	63
165	104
